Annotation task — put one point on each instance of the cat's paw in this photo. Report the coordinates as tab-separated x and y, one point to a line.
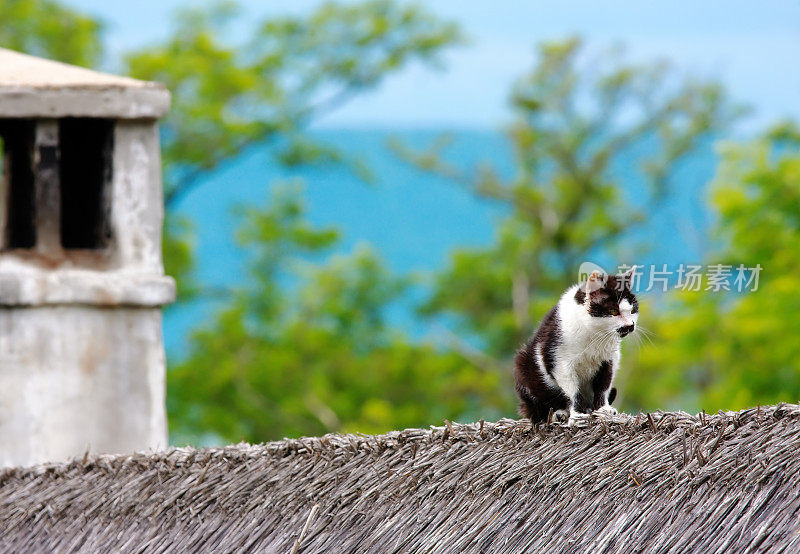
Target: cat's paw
575	417
607	410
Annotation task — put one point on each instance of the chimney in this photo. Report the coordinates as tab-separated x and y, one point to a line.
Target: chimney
82	283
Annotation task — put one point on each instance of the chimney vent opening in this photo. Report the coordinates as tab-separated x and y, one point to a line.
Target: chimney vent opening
85	172
17	191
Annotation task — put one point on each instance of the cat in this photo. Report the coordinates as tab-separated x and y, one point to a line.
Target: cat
569	363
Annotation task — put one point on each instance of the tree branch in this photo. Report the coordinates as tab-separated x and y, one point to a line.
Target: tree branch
193	178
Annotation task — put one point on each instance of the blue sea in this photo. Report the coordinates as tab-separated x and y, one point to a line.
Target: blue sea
412	218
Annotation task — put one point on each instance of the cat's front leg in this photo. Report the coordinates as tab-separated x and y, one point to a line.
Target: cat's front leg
579	398
580	407
601	389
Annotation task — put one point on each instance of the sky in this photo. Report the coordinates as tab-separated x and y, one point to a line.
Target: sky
752	47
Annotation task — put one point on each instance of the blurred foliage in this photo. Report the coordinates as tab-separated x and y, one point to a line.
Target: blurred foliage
734	350
50	30
575	119
236	83
298	352
306	348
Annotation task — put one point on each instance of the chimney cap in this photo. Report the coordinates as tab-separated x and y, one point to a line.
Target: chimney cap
36	87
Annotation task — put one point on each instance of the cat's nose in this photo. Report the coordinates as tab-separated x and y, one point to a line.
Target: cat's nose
623	331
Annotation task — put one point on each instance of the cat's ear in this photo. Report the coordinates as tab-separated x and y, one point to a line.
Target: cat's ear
627	278
595	281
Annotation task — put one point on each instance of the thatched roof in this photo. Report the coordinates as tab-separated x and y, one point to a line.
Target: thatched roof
647	483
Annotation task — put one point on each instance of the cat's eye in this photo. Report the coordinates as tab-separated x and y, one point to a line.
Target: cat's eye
614	311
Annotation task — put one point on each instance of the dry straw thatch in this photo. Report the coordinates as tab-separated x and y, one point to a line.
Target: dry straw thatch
648	483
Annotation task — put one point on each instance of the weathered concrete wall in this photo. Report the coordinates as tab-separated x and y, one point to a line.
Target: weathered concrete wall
112	102
78	378
27	285
137	204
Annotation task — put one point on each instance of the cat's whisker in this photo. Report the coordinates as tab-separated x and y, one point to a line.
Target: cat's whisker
642	332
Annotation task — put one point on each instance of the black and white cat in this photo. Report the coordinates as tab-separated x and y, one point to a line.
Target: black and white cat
570	362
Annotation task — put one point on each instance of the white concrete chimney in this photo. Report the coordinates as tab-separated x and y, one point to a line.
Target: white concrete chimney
82	282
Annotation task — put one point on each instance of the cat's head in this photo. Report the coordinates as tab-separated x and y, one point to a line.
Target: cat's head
609	301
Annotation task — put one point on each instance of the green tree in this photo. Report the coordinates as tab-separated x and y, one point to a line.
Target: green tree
270	84
576	122
276	80
306	347
51	30
296	352
718	350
